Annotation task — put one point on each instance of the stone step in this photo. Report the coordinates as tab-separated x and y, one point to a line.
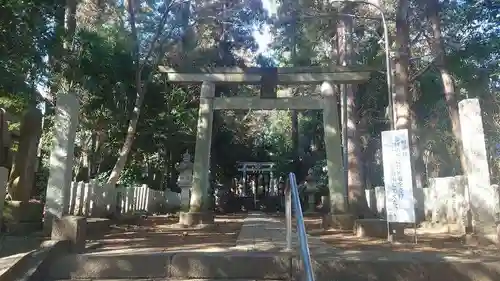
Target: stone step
335	265
404	266
188	265
148	279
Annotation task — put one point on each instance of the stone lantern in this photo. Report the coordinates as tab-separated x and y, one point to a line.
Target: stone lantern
311	187
184	181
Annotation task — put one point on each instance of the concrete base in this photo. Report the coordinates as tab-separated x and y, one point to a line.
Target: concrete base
97	227
189	219
22	218
70	228
377	228
23	228
19	211
338	221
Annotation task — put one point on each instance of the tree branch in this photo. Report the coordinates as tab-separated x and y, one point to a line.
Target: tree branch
161	48
133	28
158	32
416	38
422	71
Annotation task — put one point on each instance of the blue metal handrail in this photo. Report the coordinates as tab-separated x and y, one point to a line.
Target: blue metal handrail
292	198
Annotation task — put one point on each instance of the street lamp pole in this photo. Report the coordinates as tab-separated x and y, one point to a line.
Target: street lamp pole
387	57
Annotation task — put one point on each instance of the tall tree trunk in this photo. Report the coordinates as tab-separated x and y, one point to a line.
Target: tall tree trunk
402	111
129	138
355	187
437	47
166	163
140	83
92	154
450	96
84	168
418	161
98	154
70	22
140	91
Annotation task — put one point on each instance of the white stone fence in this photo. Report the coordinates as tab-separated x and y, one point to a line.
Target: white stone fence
94	200
443	201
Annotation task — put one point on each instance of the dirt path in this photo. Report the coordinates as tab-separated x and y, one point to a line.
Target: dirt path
428	240
159	233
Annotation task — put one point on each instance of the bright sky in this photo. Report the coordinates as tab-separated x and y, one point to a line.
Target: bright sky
264	37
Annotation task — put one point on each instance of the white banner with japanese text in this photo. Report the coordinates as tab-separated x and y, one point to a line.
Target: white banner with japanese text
396	157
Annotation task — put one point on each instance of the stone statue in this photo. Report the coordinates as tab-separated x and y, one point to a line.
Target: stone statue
239	188
311	188
185	163
22	175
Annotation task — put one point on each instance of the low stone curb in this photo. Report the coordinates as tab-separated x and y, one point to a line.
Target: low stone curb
361	266
34	264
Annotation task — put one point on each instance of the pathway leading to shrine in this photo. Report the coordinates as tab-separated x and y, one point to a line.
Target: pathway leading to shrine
369	259
261	232
251	248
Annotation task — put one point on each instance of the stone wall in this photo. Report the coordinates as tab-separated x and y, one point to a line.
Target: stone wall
469	200
443	200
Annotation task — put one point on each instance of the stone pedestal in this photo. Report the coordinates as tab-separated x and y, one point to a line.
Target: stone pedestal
337	221
377	228
61	157
311	203
70	228
189	219
324	207
23	217
185	179
310	191
185	198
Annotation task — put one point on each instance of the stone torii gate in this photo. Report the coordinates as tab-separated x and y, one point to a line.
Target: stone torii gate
269	78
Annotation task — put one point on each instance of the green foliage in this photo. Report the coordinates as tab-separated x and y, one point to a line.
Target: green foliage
101	69
24	38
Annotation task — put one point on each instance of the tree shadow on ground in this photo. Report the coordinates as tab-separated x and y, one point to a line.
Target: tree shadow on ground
11	245
438	242
162	234
340	263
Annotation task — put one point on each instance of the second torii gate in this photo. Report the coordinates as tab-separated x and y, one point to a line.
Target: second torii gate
269	78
